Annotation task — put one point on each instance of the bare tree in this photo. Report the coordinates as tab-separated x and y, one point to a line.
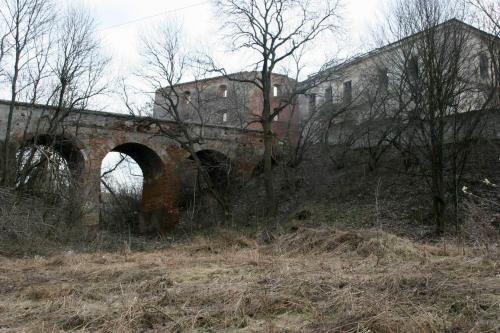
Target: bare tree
489	14
437	72
488	19
338	113
274	31
166	65
26	21
72	74
4	47
78	65
381	124
315	109
309	135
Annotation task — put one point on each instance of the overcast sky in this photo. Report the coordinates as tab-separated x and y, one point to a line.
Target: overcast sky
120	22
196	17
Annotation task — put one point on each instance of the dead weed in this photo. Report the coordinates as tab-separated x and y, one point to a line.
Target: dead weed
310	280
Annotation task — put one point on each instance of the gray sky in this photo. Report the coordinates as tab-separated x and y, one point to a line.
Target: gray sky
120	22
197	19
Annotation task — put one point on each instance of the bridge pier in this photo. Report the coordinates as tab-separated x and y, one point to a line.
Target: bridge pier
160	211
89	194
10	173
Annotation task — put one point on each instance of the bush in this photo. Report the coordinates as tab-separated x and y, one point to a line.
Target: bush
32	224
120	209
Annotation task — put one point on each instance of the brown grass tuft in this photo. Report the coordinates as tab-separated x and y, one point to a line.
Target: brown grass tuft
323	280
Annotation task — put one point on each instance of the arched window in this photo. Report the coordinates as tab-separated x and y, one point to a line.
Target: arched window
312	102
347	92
187	96
222	91
276	90
413	70
224	117
328	95
383	79
483	65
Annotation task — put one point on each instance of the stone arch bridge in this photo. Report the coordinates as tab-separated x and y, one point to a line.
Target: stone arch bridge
85	137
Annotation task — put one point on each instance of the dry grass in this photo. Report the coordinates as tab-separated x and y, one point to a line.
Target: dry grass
310	280
31	224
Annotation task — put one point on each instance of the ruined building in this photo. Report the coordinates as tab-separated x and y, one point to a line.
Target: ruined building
353	92
229	102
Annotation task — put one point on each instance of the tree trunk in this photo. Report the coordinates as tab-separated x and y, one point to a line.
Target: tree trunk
268	167
439	212
438	197
6	179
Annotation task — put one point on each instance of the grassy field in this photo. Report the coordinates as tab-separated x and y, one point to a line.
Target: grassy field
303	280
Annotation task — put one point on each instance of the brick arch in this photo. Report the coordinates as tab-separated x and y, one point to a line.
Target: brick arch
218	166
67	146
227	149
148	160
159	200
76	154
244	157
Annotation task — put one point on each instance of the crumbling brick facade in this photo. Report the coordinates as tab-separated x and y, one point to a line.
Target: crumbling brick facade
226	101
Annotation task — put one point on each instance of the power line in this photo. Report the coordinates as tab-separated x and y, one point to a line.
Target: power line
152	16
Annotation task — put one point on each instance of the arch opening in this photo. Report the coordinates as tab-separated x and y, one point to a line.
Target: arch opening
217	165
199	196
130	187
146	158
48	165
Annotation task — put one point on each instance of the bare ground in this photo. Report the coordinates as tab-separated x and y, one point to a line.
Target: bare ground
308	280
